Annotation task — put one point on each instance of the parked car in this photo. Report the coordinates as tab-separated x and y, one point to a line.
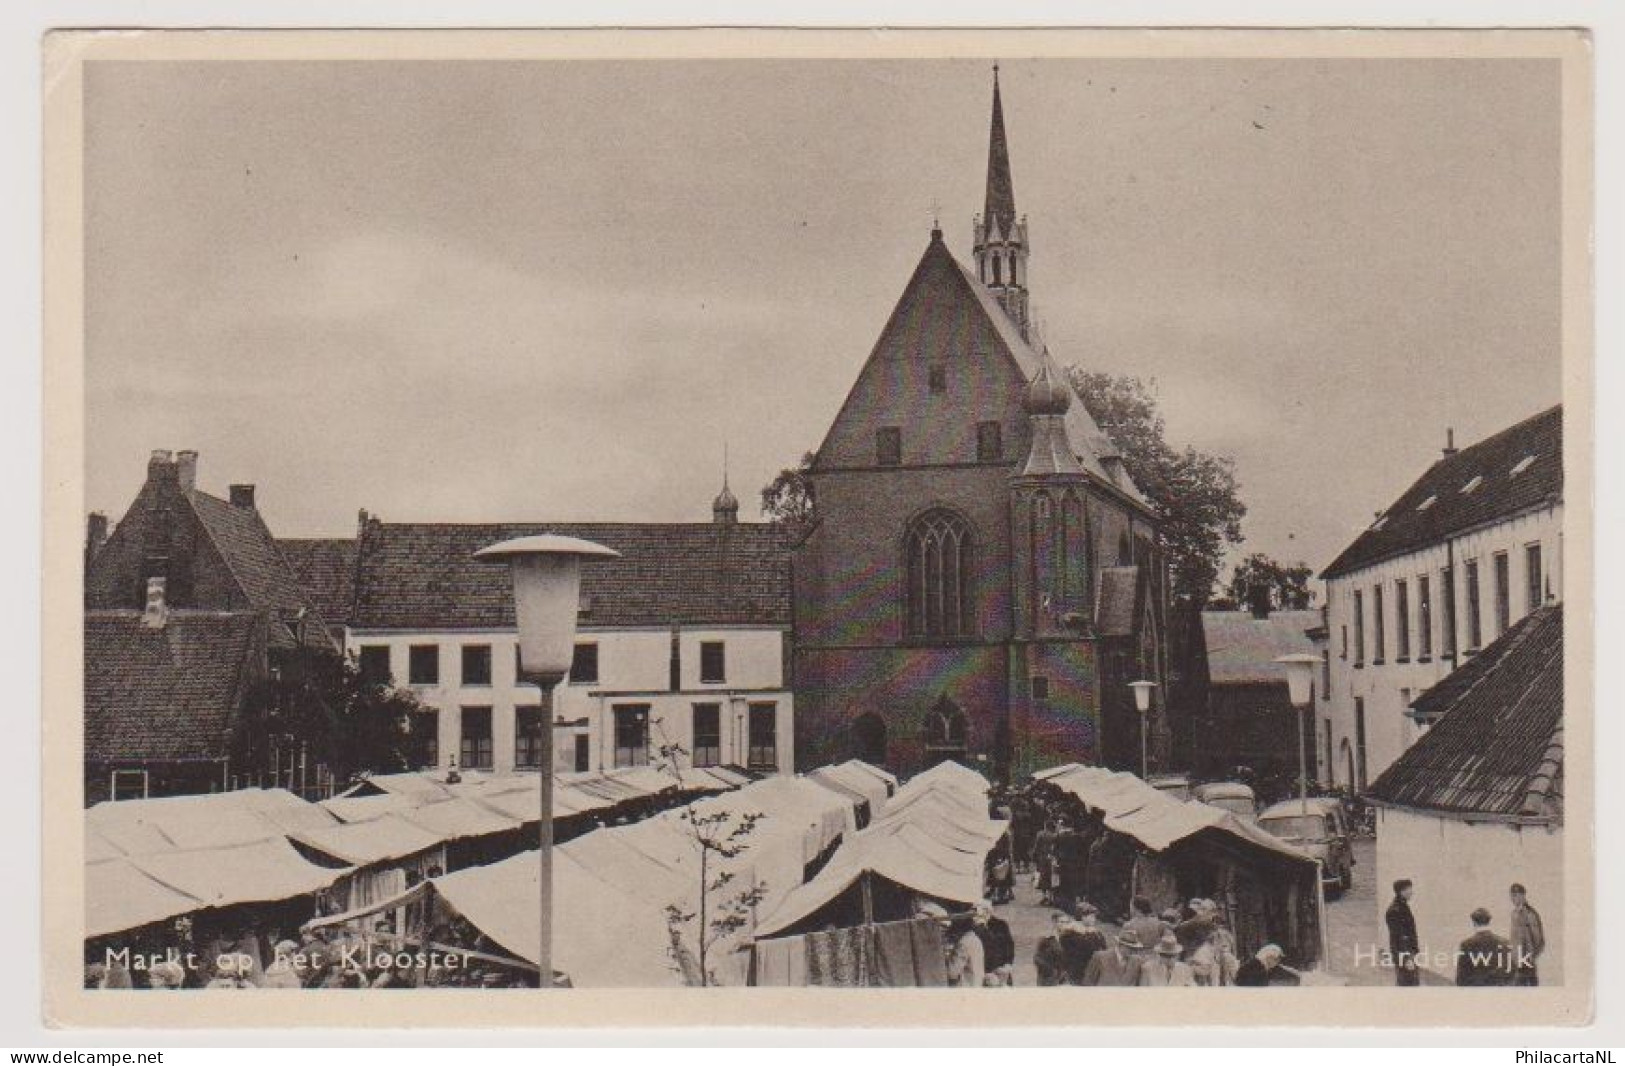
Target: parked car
1232	796
1319	826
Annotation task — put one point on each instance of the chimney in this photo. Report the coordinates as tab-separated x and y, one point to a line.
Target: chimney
1258	601
161	466
157	612
242	496
1449	441
95	534
186	469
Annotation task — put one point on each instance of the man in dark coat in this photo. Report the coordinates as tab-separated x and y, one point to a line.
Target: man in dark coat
1402	941
1255	972
1484	959
1044	862
1528	938
1049	957
1070	859
1080	941
1119	965
998	946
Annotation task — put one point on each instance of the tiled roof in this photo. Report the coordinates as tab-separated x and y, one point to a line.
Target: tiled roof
250	552
424	576
1087	440
1242	649
252	555
1498	749
167	693
325	569
1413	521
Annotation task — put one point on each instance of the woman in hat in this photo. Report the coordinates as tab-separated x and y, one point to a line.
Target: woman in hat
1164	969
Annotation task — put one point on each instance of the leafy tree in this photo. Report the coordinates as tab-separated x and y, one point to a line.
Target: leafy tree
317	701
725	904
787	501
1194	494
1259	575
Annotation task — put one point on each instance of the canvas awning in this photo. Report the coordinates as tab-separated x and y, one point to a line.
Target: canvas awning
457	818
903	853
362	844
263	872
366	808
602	938
1157	820
119	895
950	776
886	777
850	777
212	820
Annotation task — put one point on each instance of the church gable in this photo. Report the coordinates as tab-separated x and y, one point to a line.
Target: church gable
938	371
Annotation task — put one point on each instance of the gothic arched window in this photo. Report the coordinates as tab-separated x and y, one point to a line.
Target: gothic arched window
997	274
937	560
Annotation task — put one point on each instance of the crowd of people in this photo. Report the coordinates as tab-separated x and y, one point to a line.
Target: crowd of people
1188	948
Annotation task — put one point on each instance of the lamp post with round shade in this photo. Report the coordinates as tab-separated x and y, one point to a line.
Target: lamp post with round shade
546	573
1300	683
1142	703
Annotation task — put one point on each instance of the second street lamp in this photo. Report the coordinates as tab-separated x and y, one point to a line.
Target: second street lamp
1300	684
546	573
1142	703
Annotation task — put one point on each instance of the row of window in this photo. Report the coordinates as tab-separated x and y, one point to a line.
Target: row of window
476	739
989	436
423	664
1534	595
705	747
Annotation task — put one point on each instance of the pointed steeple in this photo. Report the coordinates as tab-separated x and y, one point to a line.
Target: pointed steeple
1001	194
1001	236
725	508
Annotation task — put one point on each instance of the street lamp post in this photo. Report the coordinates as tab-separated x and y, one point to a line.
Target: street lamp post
546	572
1142	703
1300	678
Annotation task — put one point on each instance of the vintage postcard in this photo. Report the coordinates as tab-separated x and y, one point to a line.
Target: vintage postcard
840	528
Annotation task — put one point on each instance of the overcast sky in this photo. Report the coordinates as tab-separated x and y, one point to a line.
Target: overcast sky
483	291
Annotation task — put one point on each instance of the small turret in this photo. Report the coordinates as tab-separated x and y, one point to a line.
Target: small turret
1048	398
725	508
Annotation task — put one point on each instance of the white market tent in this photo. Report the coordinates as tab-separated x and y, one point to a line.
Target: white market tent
119	895
1156	819
602	938
213	820
933	841
264	872
853	779
378	840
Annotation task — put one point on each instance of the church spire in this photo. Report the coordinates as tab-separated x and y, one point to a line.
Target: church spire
1001	194
1001	236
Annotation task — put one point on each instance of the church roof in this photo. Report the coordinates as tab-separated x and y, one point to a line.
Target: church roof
1087	440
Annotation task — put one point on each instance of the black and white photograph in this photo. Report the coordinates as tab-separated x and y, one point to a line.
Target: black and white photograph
680	513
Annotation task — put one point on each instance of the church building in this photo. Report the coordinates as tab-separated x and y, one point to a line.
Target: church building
983	579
